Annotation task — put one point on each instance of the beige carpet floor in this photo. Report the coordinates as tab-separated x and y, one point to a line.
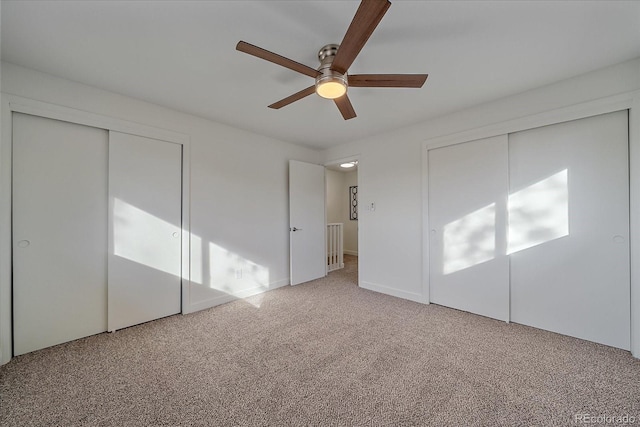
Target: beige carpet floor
325	353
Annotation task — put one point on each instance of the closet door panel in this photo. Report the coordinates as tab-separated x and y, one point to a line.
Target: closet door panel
59	232
569	228
145	205
469	269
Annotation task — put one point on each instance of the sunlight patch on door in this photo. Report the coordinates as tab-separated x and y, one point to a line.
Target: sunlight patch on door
470	240
539	213
137	234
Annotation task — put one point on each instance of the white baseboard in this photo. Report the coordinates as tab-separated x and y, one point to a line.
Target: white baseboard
260	289
354	253
411	296
222	299
203	305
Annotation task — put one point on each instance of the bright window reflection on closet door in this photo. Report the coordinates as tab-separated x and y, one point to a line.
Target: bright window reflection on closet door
539	212
131	228
470	240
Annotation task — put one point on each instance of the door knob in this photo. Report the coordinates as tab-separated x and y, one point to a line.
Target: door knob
175	234
295	229
24	243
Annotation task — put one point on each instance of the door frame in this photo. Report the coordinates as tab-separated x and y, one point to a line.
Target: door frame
627	101
351	158
12	103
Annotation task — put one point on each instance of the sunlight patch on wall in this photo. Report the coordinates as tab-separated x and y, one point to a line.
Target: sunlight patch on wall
132	228
235	275
539	213
470	240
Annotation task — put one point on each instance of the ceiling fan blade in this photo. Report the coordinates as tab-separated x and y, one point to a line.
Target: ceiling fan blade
275	58
293	98
387	80
365	21
345	107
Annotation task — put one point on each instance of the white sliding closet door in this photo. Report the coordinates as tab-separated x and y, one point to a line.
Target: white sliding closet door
59	232
569	228
145	193
469	269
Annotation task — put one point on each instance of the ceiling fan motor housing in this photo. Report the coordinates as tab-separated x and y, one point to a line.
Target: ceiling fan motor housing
326	56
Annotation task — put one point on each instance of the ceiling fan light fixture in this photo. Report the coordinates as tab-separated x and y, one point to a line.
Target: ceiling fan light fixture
330	84
331	88
348	164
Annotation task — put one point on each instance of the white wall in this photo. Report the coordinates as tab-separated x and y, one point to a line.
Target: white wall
337	190
390	252
239	189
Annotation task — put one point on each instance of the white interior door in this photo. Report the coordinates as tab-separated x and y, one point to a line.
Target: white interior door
59	232
569	228
145	181
469	269
308	259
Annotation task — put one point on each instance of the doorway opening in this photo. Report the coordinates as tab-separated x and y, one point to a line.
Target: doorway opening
341	195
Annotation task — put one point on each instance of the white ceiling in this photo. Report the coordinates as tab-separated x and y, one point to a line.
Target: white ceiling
182	55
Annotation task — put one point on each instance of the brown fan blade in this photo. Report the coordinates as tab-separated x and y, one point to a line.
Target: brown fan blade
387	80
293	98
365	21
345	107
276	59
